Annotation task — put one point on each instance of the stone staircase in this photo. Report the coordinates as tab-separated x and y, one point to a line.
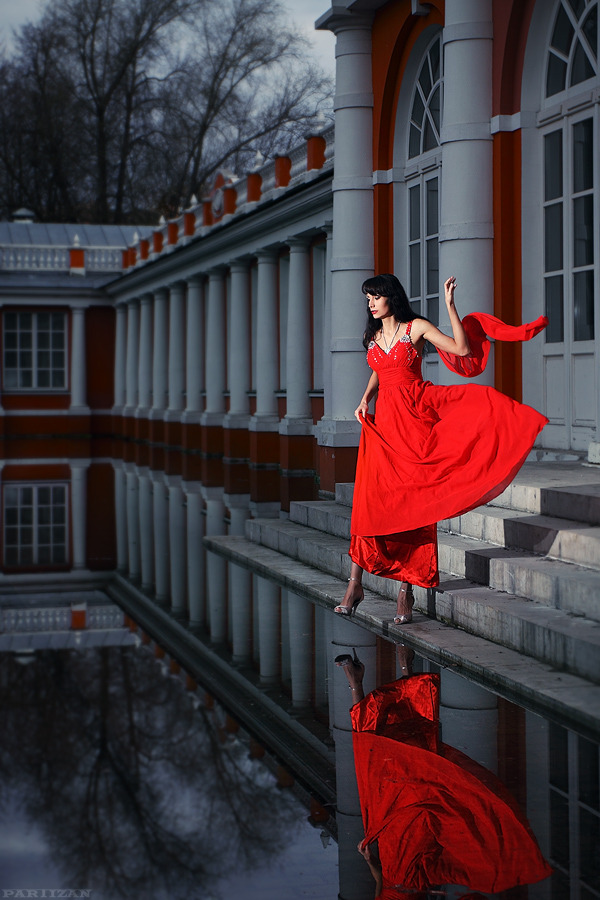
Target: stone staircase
521	576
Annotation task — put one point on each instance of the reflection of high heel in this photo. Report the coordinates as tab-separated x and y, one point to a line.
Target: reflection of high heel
345	660
405	618
350	610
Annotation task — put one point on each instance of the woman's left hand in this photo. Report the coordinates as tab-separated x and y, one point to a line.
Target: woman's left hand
449	288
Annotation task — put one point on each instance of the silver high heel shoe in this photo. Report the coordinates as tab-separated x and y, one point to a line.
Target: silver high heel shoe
405	618
350	610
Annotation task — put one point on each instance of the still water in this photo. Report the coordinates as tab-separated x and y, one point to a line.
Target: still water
174	726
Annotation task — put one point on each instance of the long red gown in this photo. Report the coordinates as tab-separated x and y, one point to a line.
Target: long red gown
439	817
432	452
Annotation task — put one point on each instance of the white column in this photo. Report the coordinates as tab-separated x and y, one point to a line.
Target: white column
238	346
78	363
146	529
177	544
195	555
215	348
131	369
159	354
133	522
176	351
79	469
120	357
298	356
466	227
352	258
267	376
145	358
327	328
160	511
194	350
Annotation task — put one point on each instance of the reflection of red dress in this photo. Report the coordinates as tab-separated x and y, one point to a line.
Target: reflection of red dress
439	817
432	452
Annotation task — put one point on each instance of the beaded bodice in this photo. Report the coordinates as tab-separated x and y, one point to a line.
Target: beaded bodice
402	356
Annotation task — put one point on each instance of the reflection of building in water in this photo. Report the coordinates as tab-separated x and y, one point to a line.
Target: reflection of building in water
261	647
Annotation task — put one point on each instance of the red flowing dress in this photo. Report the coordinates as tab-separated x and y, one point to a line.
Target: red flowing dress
438	816
432	452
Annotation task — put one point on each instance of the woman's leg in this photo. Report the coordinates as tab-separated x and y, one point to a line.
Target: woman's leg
354	592
404	604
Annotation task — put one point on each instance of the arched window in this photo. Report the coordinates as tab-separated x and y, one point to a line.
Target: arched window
573	51
422	182
426	106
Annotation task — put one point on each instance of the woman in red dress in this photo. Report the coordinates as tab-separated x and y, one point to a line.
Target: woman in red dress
431	452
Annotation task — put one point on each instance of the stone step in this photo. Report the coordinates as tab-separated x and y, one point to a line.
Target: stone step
543	535
521	534
562	586
517	628
560	490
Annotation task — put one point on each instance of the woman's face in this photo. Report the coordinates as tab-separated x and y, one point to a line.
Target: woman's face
378	306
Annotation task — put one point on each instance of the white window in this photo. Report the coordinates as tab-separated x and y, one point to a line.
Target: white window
423	181
35	525
34	352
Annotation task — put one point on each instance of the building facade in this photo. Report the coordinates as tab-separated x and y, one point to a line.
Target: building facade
465	142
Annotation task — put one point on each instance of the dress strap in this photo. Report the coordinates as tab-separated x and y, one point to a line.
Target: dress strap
408	328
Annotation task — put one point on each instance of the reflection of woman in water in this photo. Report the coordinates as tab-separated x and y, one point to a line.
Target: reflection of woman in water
432	816
430	452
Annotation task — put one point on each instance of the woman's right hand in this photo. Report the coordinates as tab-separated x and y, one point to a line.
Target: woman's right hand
361	410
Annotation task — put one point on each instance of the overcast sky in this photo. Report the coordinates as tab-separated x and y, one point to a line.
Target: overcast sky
303	12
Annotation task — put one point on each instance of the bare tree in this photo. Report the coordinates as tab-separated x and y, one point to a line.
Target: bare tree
125	108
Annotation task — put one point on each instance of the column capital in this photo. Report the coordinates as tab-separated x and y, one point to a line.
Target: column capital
217	272
337	20
268	254
240	264
299	243
196	280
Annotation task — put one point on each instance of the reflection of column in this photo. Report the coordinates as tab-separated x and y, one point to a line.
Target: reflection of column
355	879
121	515
133	522
216	567
195	348
469	719
161	538
298	356
131	371
120	357
240	590
301	648
176	365
78	511
466	213
78	365
177	545
268	631
146	530
145	357
195	555
159	355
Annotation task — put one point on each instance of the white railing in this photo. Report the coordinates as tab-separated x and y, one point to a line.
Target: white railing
39	258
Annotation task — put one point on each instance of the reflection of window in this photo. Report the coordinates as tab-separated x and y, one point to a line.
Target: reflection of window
574	794
573	51
425	116
34	350
569	255
35	525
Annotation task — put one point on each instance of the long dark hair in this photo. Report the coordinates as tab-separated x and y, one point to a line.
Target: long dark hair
389	287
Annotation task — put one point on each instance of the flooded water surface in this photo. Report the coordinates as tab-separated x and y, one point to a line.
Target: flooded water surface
175	726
